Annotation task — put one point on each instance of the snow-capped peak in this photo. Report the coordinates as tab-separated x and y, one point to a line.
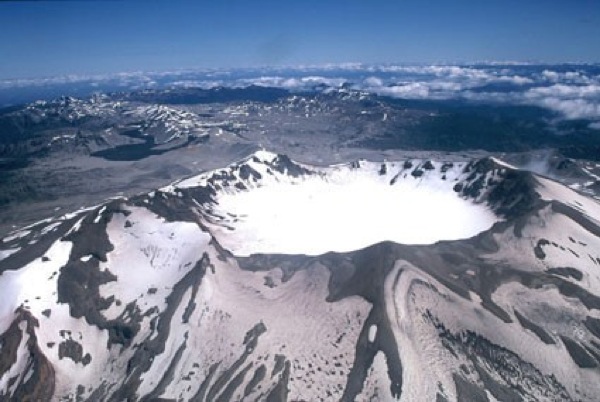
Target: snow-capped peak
165	295
268	203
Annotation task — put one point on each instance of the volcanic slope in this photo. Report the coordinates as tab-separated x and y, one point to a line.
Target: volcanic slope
178	295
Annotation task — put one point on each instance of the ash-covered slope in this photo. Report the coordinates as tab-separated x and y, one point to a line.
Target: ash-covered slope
177	295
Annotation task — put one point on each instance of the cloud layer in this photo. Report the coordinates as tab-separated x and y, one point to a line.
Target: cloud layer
571	91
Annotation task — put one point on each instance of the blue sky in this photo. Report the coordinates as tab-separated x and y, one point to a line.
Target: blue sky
45	38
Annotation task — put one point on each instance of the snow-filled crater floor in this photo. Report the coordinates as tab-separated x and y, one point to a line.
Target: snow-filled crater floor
342	209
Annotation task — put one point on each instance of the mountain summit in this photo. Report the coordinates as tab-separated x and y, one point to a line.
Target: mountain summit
275	280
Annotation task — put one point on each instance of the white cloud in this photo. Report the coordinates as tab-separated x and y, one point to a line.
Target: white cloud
292	83
197	84
572	101
565	91
572	108
415	90
373	82
332	82
550	75
515	79
568	77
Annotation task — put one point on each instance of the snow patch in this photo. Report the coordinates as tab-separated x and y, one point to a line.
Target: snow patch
33	286
372	333
160	252
8	252
343	210
86	258
15	236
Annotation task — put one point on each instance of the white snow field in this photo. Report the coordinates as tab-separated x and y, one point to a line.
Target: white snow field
207	326
342	209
